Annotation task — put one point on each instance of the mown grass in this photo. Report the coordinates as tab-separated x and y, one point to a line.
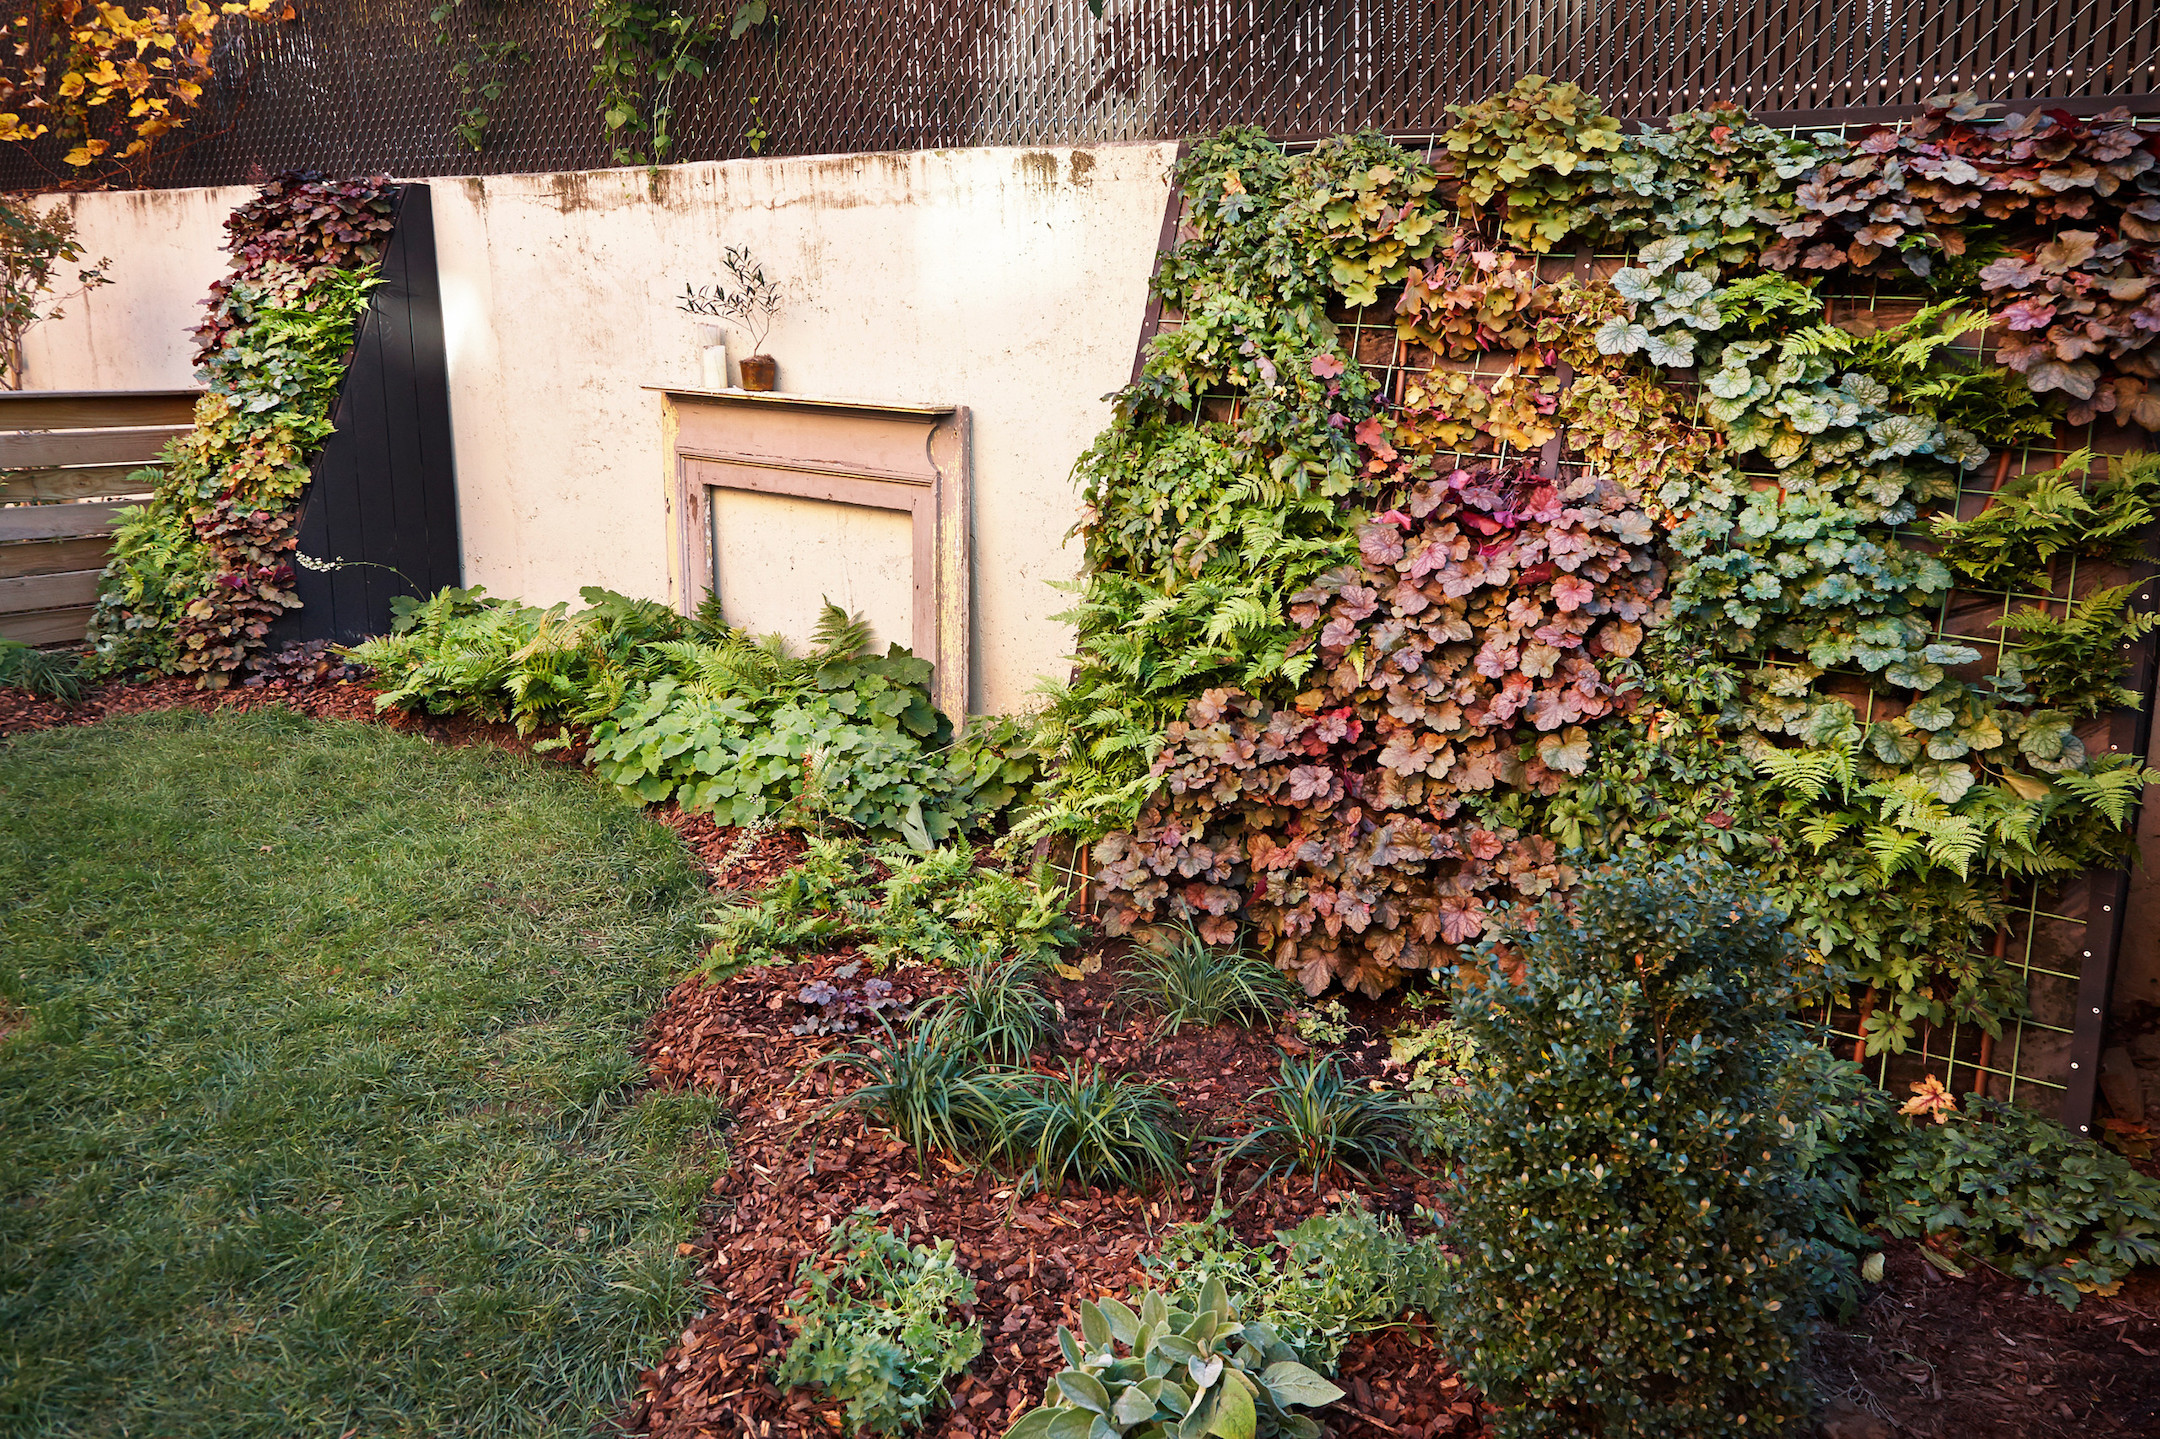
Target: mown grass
316	1113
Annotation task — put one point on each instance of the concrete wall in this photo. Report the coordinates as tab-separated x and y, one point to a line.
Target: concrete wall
1010	281
165	247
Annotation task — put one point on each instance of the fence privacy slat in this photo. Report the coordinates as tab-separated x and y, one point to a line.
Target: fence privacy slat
46	627
95	409
380	86
52	557
76	482
41	592
56	522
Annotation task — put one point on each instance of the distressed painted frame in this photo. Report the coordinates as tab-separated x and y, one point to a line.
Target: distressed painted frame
908	458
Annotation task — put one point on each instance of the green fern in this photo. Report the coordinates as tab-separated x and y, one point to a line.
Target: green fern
839	635
2075	661
2062	511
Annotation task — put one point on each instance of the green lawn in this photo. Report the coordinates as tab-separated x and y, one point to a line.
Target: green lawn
316	1113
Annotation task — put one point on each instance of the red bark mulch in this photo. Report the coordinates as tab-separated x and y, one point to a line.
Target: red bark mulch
1979	1358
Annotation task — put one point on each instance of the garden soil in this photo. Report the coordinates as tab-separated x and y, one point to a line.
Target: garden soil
1928	1355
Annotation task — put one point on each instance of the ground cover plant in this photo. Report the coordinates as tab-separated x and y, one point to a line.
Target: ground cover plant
874	1331
698	712
319	1113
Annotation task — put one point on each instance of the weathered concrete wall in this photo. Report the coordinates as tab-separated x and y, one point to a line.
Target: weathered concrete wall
1010	281
166	246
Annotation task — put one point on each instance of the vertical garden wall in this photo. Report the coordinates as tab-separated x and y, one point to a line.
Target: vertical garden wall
1562	490
317	481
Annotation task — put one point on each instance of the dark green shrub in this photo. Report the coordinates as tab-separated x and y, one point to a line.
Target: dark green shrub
875	1333
1628	1206
1188	1372
1323	1123
1000	1013
1088	1127
1193	982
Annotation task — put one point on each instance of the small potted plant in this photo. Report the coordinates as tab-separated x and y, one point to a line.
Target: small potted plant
751	301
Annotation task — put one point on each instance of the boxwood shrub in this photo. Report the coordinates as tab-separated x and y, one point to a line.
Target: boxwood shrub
1628	1211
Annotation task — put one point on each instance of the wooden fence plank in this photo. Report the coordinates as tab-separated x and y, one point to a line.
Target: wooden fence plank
37	449
47	627
74	482
41	592
56	522
54	557
95	409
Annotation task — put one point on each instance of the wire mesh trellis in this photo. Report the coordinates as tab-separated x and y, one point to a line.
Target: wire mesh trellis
2060	939
360	86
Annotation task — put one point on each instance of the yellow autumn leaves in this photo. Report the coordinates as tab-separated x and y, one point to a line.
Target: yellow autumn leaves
111	79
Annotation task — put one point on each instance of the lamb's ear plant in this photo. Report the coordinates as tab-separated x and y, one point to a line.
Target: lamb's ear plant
1184	1373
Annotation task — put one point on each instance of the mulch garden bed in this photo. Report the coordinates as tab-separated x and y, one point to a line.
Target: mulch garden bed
1927	1357
1936	1357
795	1169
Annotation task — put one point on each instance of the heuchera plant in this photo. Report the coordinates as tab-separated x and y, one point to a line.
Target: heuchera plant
199	573
1487	624
2070	207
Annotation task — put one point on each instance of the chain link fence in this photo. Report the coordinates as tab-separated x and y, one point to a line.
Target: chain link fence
359	86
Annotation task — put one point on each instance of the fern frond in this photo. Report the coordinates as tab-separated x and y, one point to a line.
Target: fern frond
839	635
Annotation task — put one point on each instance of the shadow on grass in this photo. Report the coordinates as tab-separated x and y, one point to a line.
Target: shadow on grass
316	1113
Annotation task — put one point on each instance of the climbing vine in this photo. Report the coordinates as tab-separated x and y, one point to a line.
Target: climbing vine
1648	555
200	571
109	80
645	48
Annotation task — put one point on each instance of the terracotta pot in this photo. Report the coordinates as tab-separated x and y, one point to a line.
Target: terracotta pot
760	372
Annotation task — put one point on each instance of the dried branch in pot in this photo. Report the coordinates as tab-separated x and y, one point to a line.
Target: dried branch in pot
747	297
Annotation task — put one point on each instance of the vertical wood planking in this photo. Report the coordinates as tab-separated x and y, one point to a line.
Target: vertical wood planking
384	494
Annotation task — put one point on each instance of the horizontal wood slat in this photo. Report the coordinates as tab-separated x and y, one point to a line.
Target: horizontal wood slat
56	522
95	409
77	482
47	627
84	447
53	557
42	592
